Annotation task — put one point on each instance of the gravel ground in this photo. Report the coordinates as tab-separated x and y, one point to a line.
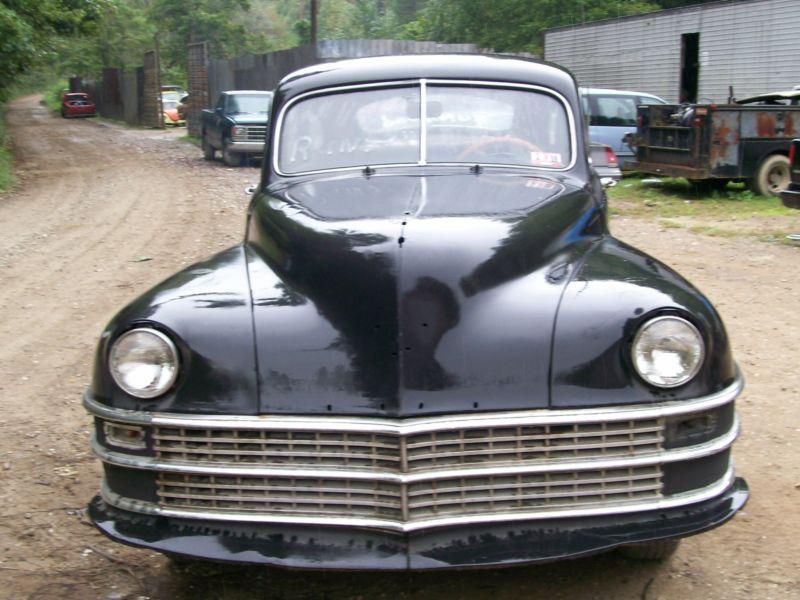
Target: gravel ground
104	212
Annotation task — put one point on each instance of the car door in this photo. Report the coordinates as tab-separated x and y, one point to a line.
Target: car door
611	117
216	122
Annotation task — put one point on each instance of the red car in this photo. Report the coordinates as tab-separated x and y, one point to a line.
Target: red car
77	104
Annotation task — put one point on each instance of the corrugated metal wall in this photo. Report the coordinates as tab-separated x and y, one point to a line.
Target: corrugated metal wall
753	45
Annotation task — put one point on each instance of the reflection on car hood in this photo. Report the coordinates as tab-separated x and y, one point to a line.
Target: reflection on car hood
405	294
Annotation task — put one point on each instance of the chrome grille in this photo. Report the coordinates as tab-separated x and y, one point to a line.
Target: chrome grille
250	133
504	445
282	495
531	491
408	477
278	448
313	496
411	453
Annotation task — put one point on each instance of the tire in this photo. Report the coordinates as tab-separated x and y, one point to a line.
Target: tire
208	150
231	159
655	550
772	176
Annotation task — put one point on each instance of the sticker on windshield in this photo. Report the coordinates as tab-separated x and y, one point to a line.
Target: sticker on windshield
546	159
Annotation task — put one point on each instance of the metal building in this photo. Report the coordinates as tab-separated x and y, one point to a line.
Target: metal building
687	54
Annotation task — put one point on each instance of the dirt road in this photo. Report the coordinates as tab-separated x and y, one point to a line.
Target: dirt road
103	213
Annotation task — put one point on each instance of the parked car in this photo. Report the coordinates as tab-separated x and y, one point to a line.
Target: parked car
77	104
612	118
791	195
605	162
236	126
175	91
183	107
172	115
428	352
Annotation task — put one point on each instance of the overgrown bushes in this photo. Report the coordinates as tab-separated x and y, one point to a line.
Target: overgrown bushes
6	179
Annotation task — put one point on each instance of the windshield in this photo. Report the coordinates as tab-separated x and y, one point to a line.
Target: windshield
249	104
473	125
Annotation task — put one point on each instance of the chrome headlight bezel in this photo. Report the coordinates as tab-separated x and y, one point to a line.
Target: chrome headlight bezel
689	375
166	383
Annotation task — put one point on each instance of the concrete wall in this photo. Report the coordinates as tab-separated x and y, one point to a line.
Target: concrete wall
750	44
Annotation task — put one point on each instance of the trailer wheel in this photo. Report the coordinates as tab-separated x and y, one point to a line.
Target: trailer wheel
772	176
655	550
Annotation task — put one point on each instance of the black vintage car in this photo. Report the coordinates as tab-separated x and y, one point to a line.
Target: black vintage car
428	352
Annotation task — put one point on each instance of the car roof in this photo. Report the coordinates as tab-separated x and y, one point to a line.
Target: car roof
787	95
586	90
385	69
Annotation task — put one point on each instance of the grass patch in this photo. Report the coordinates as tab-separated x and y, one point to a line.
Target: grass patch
192	139
677	198
729	213
6	176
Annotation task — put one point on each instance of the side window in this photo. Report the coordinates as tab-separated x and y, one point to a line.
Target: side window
221	102
614	111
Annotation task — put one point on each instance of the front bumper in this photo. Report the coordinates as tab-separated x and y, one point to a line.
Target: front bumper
507	487
791	196
488	545
246	147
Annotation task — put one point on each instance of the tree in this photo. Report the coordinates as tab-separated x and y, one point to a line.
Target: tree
31	29
511	25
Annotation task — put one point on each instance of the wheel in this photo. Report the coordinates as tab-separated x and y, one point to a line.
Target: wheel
232	159
655	550
772	176
208	149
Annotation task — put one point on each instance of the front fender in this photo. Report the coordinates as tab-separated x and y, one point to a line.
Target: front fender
206	310
616	289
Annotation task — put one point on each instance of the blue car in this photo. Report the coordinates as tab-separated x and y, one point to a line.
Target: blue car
612	115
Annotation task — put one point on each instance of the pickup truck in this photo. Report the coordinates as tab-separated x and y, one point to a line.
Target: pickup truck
713	144
236	126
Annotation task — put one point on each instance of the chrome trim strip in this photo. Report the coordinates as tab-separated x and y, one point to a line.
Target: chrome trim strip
544	416
665	456
676	500
422	159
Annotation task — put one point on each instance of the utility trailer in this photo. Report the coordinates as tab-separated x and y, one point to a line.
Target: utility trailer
711	144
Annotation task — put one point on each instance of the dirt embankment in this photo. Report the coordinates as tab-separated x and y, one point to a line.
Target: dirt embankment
103	213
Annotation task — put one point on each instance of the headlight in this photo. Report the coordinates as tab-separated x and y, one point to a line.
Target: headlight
668	351
144	362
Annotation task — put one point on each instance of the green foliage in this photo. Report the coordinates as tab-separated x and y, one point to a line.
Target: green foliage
30	30
511	25
6	179
52	95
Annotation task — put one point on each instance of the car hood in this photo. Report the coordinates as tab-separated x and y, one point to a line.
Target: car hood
403	295
249	119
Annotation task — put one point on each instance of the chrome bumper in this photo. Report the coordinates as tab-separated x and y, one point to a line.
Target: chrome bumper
195	479
249	147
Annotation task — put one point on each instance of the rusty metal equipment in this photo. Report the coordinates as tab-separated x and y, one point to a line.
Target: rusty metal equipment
718	143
